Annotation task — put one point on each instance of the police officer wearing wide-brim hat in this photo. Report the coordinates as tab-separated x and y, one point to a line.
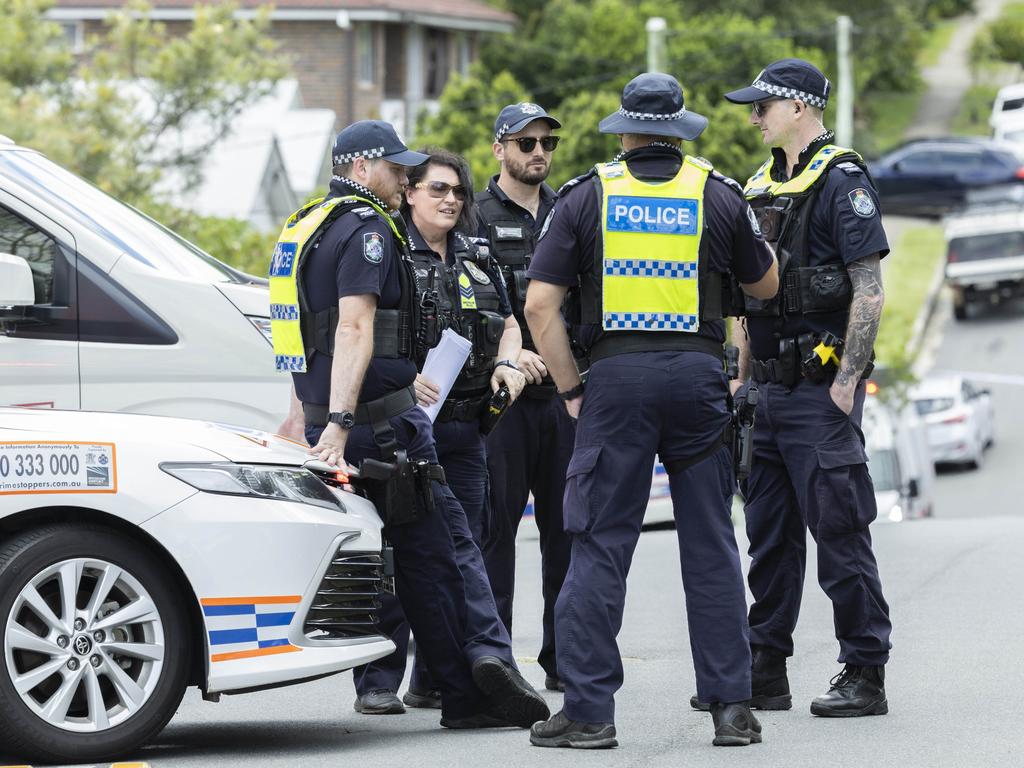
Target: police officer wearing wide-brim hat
808	352
344	316
650	239
528	452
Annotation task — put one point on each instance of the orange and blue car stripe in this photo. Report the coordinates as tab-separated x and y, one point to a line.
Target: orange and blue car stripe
249	627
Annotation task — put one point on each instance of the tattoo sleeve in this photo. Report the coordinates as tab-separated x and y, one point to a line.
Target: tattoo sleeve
865	315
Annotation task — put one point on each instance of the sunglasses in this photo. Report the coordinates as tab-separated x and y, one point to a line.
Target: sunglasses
527	143
760	107
440	189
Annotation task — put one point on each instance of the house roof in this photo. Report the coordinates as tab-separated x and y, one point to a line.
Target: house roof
457	14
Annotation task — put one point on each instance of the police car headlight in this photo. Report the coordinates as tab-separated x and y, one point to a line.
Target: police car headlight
263	326
259	480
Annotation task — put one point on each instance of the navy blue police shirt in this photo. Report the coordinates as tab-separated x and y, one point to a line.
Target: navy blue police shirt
547	202
356	256
845	226
569	239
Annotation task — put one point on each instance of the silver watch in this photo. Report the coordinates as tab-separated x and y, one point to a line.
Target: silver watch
513	365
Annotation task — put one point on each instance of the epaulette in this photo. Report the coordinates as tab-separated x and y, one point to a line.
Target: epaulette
850	169
732	183
578	180
365	212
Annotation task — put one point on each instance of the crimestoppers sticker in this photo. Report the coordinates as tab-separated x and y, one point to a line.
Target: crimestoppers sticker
30	468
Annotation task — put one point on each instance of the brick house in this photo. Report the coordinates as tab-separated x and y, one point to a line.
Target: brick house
386	59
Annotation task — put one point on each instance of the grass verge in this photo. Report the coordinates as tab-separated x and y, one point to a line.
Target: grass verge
908	276
975	109
888	116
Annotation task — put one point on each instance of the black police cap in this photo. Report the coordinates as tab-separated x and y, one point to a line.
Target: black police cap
373	139
786	79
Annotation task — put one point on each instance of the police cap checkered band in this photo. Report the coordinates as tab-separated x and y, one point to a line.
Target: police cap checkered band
791	93
651	115
350	156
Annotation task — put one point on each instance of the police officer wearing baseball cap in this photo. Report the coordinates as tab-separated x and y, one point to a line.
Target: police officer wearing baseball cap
809	351
649	239
344	323
528	452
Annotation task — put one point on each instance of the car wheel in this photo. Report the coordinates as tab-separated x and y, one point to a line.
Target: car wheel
960	311
95	645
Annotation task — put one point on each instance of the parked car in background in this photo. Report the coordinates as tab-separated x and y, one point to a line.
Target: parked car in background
984	258
1011	129
933	177
959	416
121	314
1008	105
896	440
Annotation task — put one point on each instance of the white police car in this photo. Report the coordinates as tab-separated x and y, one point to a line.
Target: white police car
140	555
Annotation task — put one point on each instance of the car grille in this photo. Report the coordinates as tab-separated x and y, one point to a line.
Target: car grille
348	599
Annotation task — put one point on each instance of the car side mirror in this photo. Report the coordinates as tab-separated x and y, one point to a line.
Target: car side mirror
16	288
913	490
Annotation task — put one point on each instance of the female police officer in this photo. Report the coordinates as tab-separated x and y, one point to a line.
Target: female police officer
463	288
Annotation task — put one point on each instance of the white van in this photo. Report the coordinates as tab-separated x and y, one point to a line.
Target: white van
124	314
1008	104
899	459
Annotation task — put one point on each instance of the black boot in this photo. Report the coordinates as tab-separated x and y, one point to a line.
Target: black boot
735	725
854	692
769	685
560	731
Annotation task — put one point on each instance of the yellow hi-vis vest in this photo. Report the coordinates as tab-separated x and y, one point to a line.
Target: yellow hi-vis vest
651	244
301	231
761	182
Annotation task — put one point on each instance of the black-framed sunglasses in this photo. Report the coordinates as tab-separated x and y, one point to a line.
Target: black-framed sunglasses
760	107
440	189
527	143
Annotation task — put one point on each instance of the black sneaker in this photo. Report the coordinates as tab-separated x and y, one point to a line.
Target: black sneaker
511	698
854	692
560	731
553	683
379	702
769	685
735	725
422	699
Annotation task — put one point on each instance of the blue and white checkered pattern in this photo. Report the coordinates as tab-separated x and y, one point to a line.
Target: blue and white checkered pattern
649	321
284	312
290	362
247	627
685	270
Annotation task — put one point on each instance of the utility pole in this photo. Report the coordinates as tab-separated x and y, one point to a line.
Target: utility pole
656	27
844	101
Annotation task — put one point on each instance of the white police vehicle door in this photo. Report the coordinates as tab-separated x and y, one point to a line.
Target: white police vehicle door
39	354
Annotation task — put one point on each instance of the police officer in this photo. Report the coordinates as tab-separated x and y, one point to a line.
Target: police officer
464	290
529	450
651	240
342	279
808	351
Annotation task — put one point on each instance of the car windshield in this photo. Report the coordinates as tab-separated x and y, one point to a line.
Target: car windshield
994	245
1011	104
933	405
885	470
124	227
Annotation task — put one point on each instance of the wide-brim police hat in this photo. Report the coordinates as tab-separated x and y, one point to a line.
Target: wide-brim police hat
652	104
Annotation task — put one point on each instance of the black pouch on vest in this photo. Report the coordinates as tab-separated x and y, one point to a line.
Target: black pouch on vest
825	289
789	362
521	284
387	333
492	325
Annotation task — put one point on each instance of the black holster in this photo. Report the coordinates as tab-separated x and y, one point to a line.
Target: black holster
400	489
743	433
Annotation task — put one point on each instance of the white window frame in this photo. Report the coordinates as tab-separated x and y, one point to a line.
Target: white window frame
74	34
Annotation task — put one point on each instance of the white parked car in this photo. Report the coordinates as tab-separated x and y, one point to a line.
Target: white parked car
140	555
959	416
1008	104
124	315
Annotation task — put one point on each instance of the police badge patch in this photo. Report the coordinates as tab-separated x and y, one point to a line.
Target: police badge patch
373	247
862	203
753	221
476	273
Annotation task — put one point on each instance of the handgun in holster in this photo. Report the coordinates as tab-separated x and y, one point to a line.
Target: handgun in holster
820	356
743	433
496	407
391	487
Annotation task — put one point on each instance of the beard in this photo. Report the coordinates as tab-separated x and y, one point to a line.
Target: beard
526	174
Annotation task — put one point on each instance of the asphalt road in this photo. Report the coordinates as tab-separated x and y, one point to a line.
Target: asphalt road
952	583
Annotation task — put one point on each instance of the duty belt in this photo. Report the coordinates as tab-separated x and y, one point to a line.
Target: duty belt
787	369
381	409
462	409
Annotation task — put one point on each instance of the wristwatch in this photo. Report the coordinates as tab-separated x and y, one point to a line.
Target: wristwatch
573	393
344	419
509	363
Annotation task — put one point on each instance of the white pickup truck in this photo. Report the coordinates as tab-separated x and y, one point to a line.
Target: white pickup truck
984	258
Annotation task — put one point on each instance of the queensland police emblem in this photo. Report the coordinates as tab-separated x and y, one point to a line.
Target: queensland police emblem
862	203
373	247
476	273
529	109
753	221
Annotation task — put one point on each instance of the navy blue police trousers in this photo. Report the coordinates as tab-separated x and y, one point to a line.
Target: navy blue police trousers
460	450
430	585
810	473
637	405
529	451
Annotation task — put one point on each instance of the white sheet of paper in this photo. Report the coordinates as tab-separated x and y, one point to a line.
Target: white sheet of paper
443	364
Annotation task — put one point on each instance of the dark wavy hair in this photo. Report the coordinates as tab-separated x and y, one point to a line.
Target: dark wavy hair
467	222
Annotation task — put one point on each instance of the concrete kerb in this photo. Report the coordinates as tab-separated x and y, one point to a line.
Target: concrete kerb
925	314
